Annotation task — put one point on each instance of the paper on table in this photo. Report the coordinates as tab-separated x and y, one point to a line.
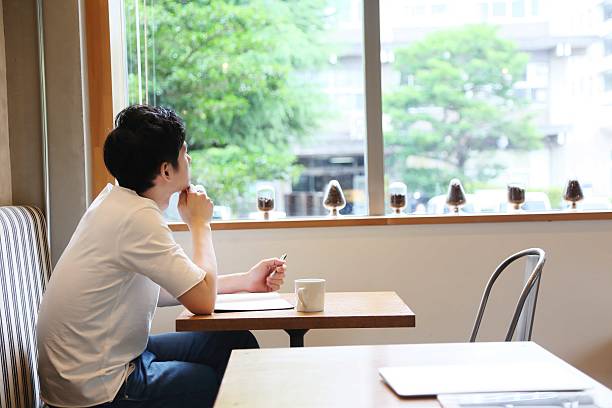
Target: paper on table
549	399
243	302
421	380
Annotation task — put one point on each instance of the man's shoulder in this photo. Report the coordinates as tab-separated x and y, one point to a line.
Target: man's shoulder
144	219
123	201
119	208
146	215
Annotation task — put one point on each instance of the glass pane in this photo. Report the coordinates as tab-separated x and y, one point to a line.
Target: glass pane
484	11
535	8
607	11
608	46
499	9
496	104
518	8
607	79
271	92
438	9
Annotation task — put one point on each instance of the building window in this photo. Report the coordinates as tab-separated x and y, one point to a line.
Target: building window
484	11
518	8
607	46
418	10
607	80
607	11
438	9
499	9
535	8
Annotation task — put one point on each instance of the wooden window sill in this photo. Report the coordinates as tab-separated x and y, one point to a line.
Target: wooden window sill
355	221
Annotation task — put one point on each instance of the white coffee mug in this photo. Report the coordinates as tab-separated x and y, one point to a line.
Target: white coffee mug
310	295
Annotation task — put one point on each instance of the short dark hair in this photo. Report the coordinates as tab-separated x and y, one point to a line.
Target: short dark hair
144	137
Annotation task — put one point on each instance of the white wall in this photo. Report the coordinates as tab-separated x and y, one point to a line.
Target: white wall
68	151
6	197
440	271
24	107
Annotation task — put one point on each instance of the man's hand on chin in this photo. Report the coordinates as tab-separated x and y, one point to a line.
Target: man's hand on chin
266	276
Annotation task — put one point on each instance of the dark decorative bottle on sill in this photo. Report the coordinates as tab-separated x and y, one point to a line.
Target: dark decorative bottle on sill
398	196
455	198
265	201
334	199
516	196
573	193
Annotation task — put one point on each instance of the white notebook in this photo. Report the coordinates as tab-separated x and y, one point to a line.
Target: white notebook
244	302
427	380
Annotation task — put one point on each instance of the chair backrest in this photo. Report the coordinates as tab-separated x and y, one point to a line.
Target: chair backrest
24	271
532	285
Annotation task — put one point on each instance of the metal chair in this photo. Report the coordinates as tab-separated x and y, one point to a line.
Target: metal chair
525	307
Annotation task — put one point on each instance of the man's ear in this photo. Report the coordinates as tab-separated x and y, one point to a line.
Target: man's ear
165	171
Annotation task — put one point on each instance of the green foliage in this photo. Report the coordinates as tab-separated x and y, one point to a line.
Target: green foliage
228	67
555	195
456	98
231	171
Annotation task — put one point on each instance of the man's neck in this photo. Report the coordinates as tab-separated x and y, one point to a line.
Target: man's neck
160	196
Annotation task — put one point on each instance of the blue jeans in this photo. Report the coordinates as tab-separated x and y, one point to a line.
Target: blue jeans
180	369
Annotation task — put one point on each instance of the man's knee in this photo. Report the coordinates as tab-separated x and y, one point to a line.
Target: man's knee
196	386
249	340
242	339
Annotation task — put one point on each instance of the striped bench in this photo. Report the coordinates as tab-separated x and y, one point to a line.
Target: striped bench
24	271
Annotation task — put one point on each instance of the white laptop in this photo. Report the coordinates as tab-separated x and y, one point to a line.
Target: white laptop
429	380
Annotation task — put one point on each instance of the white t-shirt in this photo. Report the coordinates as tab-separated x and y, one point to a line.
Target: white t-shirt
96	313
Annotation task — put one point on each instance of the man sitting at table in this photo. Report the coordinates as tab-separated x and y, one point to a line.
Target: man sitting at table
95	317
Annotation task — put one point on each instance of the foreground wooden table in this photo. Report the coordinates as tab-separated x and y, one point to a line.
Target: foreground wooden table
347	376
342	310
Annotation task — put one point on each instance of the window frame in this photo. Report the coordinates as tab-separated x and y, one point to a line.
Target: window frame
99	87
107	89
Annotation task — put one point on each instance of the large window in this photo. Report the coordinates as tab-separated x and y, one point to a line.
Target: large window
271	92
491	92
496	102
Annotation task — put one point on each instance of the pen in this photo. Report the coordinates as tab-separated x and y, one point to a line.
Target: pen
282	258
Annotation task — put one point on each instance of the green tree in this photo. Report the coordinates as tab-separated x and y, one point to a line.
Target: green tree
228	67
230	171
456	100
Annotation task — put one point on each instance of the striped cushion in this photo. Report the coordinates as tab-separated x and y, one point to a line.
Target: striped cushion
24	270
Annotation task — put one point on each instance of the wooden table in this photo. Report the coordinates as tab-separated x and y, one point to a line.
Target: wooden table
347	376
342	310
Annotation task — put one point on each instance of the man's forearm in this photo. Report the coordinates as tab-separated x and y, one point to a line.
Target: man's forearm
204	253
232	283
